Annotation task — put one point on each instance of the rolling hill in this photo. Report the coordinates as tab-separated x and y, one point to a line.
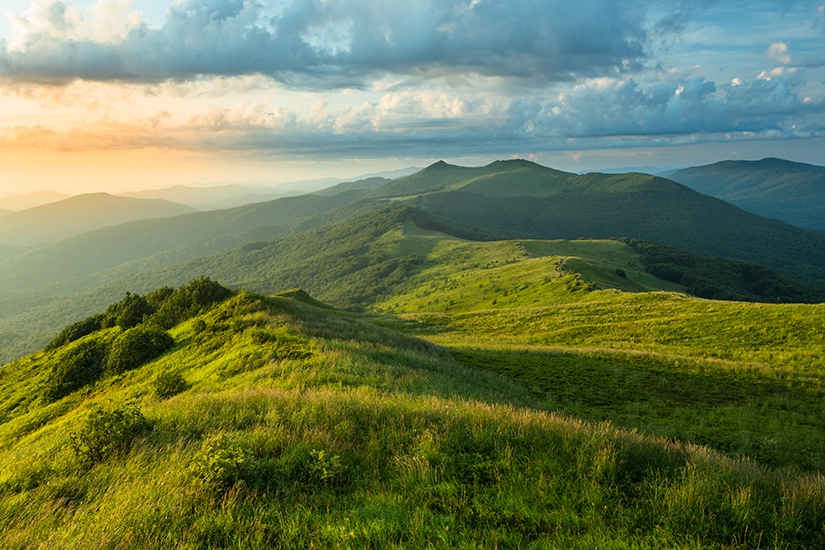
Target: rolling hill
789	191
525	200
278	422
362	262
82	213
359	185
209	198
44	286
15	203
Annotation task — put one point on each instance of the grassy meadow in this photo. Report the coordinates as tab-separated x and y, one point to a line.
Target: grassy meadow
506	394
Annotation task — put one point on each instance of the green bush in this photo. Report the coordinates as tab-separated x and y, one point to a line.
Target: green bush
219	464
127	313
158	296
137	346
76	331
169	383
189	300
107	433
74	368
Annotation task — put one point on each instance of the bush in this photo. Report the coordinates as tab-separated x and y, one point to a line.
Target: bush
127	313
137	346
189	300
76	331
219	464
108	433
169	383
73	369
158	296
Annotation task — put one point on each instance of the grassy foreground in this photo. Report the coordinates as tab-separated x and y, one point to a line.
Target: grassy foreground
300	427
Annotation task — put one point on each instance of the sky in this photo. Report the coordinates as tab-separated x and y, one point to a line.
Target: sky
119	95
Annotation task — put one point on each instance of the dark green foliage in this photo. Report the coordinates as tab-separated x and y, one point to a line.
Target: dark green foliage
107	433
137	346
157	297
74	368
77	330
189	300
621	273
219	464
127	313
720	279
169	383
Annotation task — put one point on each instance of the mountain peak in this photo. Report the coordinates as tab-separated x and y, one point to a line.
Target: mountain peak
440	165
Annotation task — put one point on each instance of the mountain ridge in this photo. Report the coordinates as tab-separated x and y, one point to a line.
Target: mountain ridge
79	214
790	191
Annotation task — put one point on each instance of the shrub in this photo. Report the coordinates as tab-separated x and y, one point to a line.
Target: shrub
76	331
73	369
219	464
137	346
620	272
169	383
189	300
127	313
108	433
158	296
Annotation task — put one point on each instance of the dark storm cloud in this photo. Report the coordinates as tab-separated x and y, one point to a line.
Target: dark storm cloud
338	42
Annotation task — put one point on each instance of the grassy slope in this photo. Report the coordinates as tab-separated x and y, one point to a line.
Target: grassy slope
355	264
29	317
790	191
431	453
45	287
669	216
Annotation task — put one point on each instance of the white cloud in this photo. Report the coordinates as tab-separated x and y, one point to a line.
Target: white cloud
780	52
53	21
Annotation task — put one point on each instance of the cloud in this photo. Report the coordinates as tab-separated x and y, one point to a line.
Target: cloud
323	43
598	113
692	107
780	52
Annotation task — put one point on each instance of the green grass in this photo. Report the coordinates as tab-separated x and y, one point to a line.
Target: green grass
420	450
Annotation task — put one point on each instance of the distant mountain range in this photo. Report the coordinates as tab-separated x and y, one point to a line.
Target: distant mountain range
53	283
14	203
789	191
524	200
59	220
230	196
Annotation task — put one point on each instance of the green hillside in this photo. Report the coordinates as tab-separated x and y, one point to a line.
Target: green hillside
366	261
789	191
276	423
91	259
644	208
359	185
501	178
59	220
45	287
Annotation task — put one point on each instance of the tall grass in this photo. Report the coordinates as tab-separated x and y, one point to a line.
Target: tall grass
361	437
